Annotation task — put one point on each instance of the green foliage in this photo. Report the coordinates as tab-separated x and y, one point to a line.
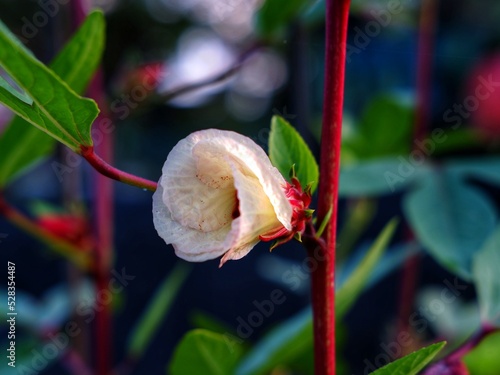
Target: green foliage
21	144
157	309
385	130
287	148
412	363
484	358
485	273
56	108
451	219
16	93
486	169
280	346
275	15
352	288
205	352
374	177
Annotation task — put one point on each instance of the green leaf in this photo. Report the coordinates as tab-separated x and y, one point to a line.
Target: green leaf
379	176
412	363
486	168
279	346
352	288
453	140
18	94
286	148
275	15
484	358
204	352
485	273
21	144
77	62
156	311
451	219
56	109
386	129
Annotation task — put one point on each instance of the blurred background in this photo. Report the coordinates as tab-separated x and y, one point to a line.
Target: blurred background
155	47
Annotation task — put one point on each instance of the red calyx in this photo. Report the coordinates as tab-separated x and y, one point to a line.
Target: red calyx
300	201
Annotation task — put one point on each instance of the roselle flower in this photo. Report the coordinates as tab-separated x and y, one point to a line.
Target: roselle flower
219	195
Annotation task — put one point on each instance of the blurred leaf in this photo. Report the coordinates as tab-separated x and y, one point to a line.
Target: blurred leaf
275	15
484	358
487	169
80	57
485	273
412	363
457	140
457	319
377	177
289	346
208	322
391	259
385	129
286	148
204	352
156	311
352	288
21	144
451	219
56	109
280	346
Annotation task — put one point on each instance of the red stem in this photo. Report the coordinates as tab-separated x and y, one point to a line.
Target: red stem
114	173
323	289
103	207
427	26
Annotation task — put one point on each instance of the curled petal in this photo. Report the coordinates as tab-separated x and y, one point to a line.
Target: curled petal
218	193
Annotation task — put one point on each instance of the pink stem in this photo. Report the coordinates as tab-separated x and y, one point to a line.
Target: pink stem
103	206
323	289
427	26
109	171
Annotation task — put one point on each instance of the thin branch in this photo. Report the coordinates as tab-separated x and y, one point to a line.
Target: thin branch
75	254
114	173
218	78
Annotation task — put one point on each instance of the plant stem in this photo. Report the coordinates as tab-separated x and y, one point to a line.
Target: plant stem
218	78
109	171
426	34
103	210
323	288
76	255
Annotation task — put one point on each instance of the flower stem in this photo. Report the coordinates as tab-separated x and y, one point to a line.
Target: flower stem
76	255
109	171
103	208
323	288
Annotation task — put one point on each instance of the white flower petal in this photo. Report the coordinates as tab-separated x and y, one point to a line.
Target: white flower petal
255	159
257	215
189	244
209	178
193	202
